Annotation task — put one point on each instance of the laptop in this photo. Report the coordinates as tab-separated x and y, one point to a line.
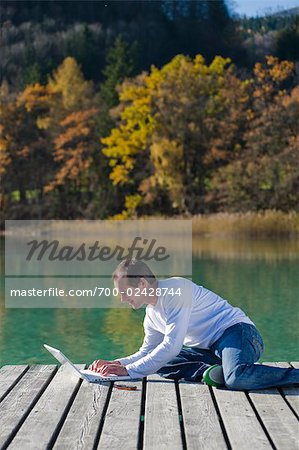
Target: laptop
86	374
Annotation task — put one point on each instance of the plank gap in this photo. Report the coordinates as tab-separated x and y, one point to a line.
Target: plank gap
225	435
101	424
260	420
142	414
181	417
280	389
64	415
13	384
28	411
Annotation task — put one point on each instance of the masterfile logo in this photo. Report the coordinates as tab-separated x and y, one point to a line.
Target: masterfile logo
47	258
146	250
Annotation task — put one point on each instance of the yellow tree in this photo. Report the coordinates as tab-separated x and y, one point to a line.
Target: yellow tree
69	81
167	138
132	135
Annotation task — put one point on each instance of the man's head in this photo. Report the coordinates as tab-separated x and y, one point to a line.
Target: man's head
135	282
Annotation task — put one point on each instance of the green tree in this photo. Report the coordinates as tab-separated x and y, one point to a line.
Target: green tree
120	64
82	46
287	42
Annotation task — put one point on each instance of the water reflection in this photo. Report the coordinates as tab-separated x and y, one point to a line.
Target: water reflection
260	276
240	248
267	291
123	327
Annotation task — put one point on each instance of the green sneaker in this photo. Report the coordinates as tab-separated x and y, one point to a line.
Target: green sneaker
213	376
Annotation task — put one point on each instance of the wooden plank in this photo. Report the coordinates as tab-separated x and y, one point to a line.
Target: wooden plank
18	403
122	419
241	424
291	393
161	421
80	428
201	422
277	417
48	411
9	376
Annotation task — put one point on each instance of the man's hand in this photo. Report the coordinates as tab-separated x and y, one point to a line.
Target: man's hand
113	369
99	363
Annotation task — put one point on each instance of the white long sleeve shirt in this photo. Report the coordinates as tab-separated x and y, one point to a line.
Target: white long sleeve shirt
196	318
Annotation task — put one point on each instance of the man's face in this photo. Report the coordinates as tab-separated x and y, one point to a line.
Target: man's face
136	296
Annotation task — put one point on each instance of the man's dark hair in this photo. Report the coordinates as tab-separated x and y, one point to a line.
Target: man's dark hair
134	270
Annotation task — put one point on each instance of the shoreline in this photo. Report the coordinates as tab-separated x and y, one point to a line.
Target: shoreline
265	224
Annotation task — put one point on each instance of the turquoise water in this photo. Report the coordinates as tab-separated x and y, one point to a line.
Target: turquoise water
261	277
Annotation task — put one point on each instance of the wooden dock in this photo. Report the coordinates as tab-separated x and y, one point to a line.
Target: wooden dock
44	407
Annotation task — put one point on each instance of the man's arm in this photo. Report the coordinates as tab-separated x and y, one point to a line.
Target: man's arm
152	338
178	315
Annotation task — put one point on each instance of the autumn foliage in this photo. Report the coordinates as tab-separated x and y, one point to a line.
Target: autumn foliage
191	137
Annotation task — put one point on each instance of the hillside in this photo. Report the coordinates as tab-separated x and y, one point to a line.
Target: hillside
274	34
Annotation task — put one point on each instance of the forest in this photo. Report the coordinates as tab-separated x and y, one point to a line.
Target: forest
125	109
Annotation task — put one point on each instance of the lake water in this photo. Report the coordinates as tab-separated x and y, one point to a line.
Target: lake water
259	276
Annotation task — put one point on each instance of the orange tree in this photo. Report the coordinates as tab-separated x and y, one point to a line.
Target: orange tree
264	173
66	111
25	153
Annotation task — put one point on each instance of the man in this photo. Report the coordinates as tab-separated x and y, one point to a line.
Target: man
221	344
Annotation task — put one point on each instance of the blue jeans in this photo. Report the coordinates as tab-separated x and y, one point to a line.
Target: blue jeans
239	347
